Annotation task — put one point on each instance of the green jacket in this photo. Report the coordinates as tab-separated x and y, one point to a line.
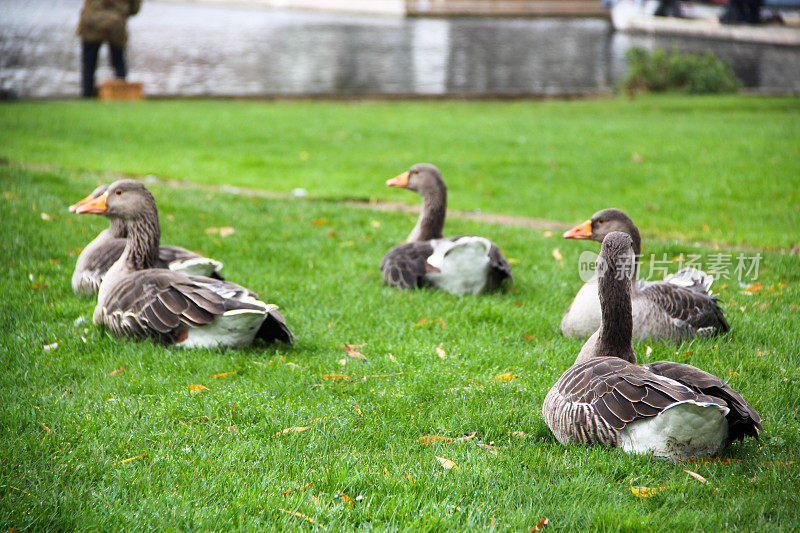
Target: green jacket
104	20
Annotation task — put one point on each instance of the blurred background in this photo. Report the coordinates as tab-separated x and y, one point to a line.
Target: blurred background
252	49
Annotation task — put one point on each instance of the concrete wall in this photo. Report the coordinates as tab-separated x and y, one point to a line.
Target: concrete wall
498	8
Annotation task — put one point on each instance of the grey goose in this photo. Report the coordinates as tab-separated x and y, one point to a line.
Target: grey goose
98	256
137	299
675	309
466	264
666	409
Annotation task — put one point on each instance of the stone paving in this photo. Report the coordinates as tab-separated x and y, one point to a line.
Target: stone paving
186	49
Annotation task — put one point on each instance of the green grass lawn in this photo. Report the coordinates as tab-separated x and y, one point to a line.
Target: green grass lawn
710	169
86	446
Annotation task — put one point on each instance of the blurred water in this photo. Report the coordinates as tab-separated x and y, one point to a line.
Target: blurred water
190	49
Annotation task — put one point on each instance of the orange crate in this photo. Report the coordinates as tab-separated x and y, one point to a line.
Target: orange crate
119	90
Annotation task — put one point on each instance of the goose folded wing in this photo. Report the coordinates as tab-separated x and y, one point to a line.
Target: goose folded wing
742	418
621	392
688	306
404	266
98	263
157	303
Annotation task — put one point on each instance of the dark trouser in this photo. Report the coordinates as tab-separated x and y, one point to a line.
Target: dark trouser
90	50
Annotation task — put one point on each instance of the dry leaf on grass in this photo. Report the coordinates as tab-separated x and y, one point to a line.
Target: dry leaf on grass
222	374
425	321
492	449
440	352
712	460
300	515
648	350
298	489
117	371
358	409
447	464
646	492
345	498
319	222
768	464
224	231
505	376
198	388
47	430
296	429
557	255
755	287
697	476
540	525
351	351
519	434
336	376
432	439
130	459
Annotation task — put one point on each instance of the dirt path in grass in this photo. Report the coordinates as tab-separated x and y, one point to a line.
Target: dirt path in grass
492	218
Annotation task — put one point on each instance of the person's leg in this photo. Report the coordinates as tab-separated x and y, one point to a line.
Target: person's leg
118	60
89	50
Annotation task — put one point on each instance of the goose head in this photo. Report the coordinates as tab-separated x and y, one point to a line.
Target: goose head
602	224
95	194
422	178
124	199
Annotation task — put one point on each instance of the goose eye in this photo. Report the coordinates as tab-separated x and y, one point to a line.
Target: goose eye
118	192
600	221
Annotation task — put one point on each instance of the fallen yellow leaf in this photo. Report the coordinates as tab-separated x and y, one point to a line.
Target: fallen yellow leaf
319	222
505	376
557	255
335	376
358	409
410	478
130	459
646	492
776	463
198	388
447	464
117	371
222	374
519	434
46	429
296	429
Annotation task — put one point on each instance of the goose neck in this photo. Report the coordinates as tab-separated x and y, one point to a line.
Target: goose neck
430	224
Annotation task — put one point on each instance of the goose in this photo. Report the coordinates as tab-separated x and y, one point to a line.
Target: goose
98	256
137	299
666	409
467	264
675	309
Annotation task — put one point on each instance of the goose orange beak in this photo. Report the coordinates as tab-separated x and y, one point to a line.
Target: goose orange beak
96	206
581	231
75	206
398	181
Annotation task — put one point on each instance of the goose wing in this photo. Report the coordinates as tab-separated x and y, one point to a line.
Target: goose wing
190	263
742	418
92	267
404	265
687	306
500	269
160	303
618	392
